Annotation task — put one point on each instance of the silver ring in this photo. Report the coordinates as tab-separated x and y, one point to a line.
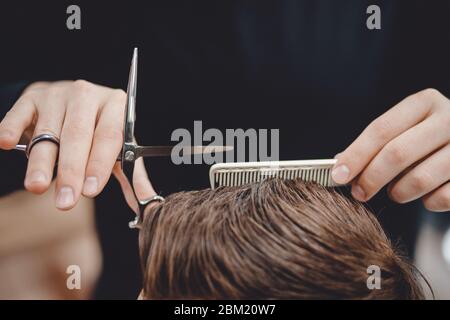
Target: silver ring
40	138
136	223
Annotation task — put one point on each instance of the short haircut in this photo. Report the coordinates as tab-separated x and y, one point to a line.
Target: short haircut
277	239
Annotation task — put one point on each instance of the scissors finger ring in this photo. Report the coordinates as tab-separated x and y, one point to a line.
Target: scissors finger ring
41	138
137	222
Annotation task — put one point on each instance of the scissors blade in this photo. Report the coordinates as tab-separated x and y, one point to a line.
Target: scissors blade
162	151
130	110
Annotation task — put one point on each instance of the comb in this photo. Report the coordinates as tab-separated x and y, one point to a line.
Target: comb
240	173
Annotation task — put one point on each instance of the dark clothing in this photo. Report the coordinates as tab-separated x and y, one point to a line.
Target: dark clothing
310	68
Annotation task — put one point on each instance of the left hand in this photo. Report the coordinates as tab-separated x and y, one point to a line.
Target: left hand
408	147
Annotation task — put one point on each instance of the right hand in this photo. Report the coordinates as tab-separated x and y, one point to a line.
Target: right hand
88	119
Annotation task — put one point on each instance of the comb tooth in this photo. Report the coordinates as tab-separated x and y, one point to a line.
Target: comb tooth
223	178
234	179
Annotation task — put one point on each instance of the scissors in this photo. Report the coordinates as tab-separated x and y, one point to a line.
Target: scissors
131	151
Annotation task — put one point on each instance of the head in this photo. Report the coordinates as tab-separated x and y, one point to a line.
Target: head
277	239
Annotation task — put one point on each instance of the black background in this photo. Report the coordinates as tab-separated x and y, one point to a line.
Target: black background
310	68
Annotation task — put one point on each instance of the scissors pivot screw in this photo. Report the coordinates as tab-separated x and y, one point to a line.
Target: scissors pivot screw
129	155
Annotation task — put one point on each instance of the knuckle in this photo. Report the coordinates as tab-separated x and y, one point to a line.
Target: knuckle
77	129
395	154
420	181
53	93
96	166
82	87
109	133
119	95
429	94
69	170
397	194
382	128
368	182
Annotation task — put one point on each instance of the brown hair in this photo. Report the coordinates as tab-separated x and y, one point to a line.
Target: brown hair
276	239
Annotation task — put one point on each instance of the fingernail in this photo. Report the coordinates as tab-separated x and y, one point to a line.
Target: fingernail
337	155
90	186
358	193
64	198
340	174
36	177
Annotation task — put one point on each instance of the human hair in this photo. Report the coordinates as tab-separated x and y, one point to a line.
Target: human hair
276	239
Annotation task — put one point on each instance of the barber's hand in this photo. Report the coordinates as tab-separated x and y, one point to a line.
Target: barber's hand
141	184
87	118
408	148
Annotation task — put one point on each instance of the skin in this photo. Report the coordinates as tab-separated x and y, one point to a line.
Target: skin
407	148
88	118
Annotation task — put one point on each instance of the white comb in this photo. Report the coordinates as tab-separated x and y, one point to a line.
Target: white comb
240	173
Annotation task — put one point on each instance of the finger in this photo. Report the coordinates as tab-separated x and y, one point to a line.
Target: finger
15	122
43	155
76	141
125	185
106	146
423	178
398	119
438	200
408	148
141	182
